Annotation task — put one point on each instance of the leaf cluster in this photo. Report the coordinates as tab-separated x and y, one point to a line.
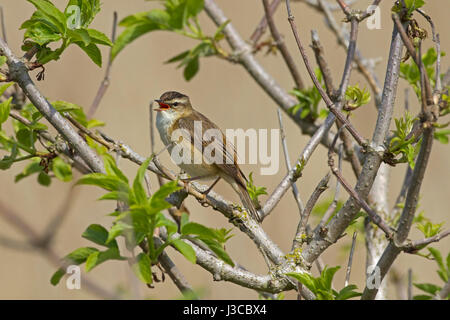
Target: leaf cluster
322	286
49	25
137	222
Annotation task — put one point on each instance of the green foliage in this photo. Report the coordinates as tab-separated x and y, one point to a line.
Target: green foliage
322	285
49	25
213	238
137	222
401	144
411	6
355	97
443	272
179	16
442	136
309	100
410	72
254	191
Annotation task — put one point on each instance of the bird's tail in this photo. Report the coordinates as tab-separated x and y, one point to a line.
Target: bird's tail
248	203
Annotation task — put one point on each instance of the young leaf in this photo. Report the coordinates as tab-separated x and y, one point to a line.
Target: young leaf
143	268
138	189
50	12
99	235
61	169
191	68
93	52
185	249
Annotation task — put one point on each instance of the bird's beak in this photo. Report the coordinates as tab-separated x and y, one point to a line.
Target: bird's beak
162	106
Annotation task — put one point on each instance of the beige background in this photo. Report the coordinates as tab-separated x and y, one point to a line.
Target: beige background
226	94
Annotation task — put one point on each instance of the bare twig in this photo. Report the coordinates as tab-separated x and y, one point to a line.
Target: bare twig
409	284
295	192
331	106
282	47
2	24
106	80
262	25
322	63
372	160
370	212
350	259
300	235
445	291
437	41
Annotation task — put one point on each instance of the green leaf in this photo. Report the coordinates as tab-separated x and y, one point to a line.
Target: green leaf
443	274
442	136
80	35
218	250
32	167
327	276
2	60
138	189
52	13
107	182
185	249
130	34
143	268
428	288
5	108
348	293
158	200
99	37
99	235
162	221
178	57
191	68
305	279
422	297
99	257
61	169
93	52
44	179
198	229
194	7
57	276
112	169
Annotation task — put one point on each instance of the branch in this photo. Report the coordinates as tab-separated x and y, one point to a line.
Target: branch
282	47
443	294
106	80
19	73
301	228
288	162
331	106
322	240
350	259
258	73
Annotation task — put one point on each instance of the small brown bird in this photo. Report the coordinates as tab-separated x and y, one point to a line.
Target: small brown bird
178	125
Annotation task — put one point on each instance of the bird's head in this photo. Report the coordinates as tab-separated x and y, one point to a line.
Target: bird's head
174	102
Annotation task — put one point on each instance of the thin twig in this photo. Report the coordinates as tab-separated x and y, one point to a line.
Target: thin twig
2	24
374	217
437	41
295	192
350	259
322	63
262	25
106	80
409	284
329	103
282	47
301	228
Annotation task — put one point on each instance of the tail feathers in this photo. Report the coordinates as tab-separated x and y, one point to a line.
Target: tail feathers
247	201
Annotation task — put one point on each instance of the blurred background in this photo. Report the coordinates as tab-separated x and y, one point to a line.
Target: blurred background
226	94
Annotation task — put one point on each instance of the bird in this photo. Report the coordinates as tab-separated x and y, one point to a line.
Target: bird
175	114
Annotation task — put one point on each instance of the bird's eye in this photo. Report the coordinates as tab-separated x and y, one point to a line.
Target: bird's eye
175	104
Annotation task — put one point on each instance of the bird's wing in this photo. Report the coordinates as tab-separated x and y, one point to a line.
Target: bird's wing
218	145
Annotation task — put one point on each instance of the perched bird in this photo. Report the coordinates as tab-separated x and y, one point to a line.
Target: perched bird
176	112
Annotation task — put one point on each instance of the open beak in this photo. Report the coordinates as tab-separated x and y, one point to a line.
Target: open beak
162	106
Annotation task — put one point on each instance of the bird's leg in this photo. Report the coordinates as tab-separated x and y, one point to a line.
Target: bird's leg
187	180
205	193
